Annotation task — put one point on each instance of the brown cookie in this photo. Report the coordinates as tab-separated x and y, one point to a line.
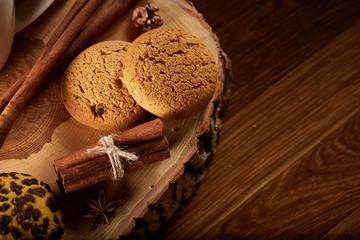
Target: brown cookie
28	208
170	73
93	92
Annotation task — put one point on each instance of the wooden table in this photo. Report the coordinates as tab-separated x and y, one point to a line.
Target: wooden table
288	162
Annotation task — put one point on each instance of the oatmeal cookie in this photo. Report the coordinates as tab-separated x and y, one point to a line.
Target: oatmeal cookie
92	89
170	73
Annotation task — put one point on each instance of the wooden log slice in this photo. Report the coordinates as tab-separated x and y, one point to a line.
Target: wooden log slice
45	132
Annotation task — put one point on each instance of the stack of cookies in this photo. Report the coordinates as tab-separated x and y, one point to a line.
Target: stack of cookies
114	85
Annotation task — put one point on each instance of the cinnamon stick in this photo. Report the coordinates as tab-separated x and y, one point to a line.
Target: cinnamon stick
144	151
147	159
82	169
41	69
132	137
107	174
75	9
100	176
109	14
6	97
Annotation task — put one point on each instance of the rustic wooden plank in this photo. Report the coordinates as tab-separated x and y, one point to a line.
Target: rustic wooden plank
266	40
277	126
309	198
349	228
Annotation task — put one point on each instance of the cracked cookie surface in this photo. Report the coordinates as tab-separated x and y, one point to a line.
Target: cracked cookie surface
170	73
93	92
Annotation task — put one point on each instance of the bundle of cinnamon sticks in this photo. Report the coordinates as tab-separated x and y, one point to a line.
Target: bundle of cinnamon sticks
82	169
68	39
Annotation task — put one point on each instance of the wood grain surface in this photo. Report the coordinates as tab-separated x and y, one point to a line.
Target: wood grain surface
44	131
288	162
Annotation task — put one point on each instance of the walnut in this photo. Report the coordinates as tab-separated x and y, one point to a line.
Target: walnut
145	18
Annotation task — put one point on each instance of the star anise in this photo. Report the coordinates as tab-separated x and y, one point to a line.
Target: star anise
99	211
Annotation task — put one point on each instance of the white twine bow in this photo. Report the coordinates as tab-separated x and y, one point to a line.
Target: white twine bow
115	154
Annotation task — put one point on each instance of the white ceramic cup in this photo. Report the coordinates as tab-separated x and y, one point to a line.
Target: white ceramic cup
12	20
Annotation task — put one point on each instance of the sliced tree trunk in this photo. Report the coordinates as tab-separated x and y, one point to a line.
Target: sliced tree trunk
45	132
